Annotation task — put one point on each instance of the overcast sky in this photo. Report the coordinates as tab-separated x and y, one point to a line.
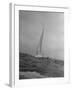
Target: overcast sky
30	27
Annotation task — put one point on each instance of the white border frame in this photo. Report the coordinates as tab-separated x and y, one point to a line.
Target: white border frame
14	46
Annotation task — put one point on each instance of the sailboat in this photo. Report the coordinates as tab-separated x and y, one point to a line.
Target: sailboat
39	47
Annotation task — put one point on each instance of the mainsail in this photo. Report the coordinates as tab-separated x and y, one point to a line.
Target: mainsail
39	48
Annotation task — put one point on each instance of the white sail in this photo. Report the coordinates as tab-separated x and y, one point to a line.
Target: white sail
39	48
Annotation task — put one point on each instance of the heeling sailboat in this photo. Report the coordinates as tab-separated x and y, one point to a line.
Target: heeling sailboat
39	48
